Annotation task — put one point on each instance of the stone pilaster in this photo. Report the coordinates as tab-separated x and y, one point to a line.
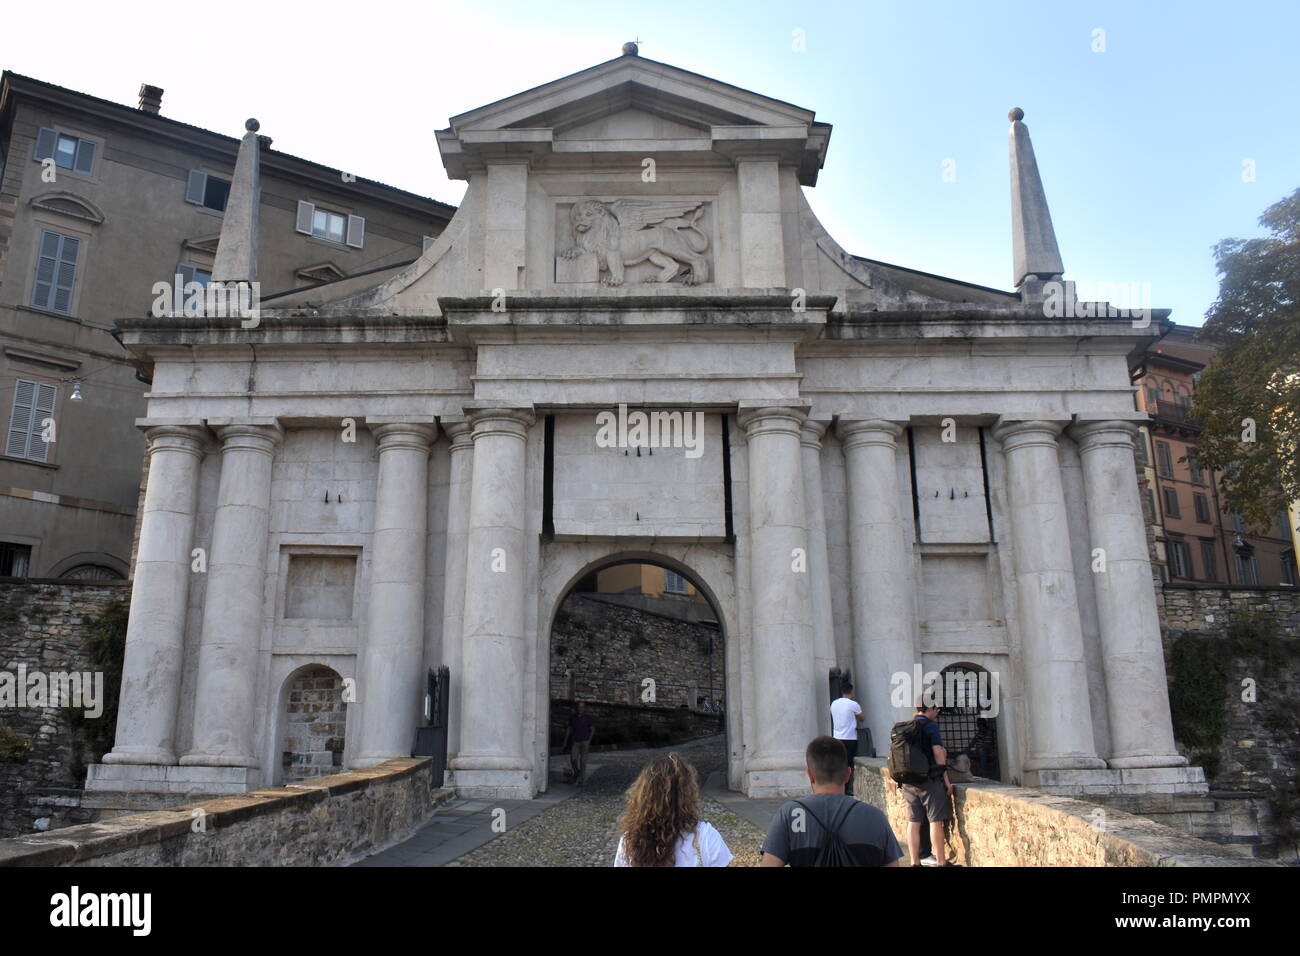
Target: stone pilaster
226	702
819	574
492	760
1051	639
884	613
762	258
1141	730
785	686
391	678
453	605
155	636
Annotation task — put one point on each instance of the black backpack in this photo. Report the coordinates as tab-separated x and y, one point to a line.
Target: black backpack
908	761
833	850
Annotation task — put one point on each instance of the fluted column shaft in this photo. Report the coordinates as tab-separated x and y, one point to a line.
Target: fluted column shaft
1137	693
391	678
492	630
781	621
884	615
155	635
819	574
1051	637
225	703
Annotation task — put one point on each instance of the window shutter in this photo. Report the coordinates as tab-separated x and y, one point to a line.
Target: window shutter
66	275
305	211
356	232
426	243
36	448
45	140
186	273
195	186
85	161
47	262
20	419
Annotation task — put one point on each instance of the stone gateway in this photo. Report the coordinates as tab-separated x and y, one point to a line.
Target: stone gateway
412	468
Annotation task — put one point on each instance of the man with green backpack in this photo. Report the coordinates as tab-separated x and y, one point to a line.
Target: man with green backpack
918	762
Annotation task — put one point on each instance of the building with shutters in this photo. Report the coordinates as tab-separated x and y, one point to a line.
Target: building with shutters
890	472
98	202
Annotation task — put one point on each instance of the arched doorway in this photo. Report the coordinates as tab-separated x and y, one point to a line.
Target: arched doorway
968	717
315	724
641	645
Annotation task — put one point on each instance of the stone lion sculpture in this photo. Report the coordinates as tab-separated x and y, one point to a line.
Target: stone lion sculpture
628	231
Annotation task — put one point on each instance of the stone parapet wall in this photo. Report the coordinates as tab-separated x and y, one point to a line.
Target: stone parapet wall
328	820
996	824
43	626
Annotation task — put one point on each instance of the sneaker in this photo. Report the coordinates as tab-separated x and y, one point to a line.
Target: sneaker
929	860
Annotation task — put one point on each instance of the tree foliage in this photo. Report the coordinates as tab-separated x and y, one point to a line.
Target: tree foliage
1249	398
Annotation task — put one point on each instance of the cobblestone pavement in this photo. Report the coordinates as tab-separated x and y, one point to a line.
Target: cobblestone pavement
582	830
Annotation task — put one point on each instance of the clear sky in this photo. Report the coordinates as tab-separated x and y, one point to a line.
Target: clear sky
1141	142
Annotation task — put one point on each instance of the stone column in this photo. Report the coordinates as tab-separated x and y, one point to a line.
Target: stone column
453	604
389	691
883	598
1137	694
492	759
1051	639
782	628
226	696
819	572
155	635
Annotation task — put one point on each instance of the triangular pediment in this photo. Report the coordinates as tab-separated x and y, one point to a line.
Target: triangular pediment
206	244
632	123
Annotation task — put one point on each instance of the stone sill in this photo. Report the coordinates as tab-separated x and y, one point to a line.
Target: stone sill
86	841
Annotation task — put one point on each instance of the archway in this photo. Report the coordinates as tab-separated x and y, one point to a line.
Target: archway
968	717
314	721
641	644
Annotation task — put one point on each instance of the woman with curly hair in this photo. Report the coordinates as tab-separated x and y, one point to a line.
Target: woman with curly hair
661	826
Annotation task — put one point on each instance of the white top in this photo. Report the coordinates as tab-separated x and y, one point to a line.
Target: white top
713	849
844	718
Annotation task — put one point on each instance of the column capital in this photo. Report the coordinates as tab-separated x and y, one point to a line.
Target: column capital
812	431
459	432
757	418
1022	432
251	436
854	432
489	419
415	435
184	438
1096	433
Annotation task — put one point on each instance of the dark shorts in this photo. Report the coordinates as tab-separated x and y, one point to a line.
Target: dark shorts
928	802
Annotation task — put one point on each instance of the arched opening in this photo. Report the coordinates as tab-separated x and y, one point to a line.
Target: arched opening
640	645
968	717
315	724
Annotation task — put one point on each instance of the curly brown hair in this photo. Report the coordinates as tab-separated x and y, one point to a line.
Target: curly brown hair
662	805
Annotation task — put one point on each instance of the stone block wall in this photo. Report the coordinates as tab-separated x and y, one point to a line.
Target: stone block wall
329	820
315	725
995	824
42	769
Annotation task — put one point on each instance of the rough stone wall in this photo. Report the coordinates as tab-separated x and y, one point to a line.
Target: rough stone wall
329	820
995	824
316	724
609	650
42	626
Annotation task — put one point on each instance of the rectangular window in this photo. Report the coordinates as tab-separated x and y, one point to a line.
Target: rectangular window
68	152
15	559
1209	561
1290	575
1171	502
674	583
1202	508
1164	459
1151	503
1198	476
1180	560
1238	523
208	191
331	226
33	404
327	225
1247	569
56	272
1140	449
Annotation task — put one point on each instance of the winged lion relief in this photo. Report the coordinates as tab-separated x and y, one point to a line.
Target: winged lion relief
663	232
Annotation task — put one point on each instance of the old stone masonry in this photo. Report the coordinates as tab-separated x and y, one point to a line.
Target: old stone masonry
886	472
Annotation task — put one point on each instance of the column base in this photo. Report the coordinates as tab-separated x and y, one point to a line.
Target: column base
493	784
777	783
140	755
1065	762
1140	761
196	759
173	780
1115	781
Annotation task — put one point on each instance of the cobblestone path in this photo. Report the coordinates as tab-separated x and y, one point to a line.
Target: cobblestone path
581	831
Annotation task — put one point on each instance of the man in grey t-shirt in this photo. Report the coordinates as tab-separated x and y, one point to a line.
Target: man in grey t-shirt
797	832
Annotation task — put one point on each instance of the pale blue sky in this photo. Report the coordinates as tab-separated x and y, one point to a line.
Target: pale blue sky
1140	146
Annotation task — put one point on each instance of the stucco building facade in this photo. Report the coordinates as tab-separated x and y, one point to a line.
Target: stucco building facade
859	465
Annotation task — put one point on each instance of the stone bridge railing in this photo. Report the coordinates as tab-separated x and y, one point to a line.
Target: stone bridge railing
327	820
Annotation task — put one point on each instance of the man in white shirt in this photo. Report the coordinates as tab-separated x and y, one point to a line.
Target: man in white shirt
846	718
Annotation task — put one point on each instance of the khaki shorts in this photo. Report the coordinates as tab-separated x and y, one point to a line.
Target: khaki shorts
928	802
